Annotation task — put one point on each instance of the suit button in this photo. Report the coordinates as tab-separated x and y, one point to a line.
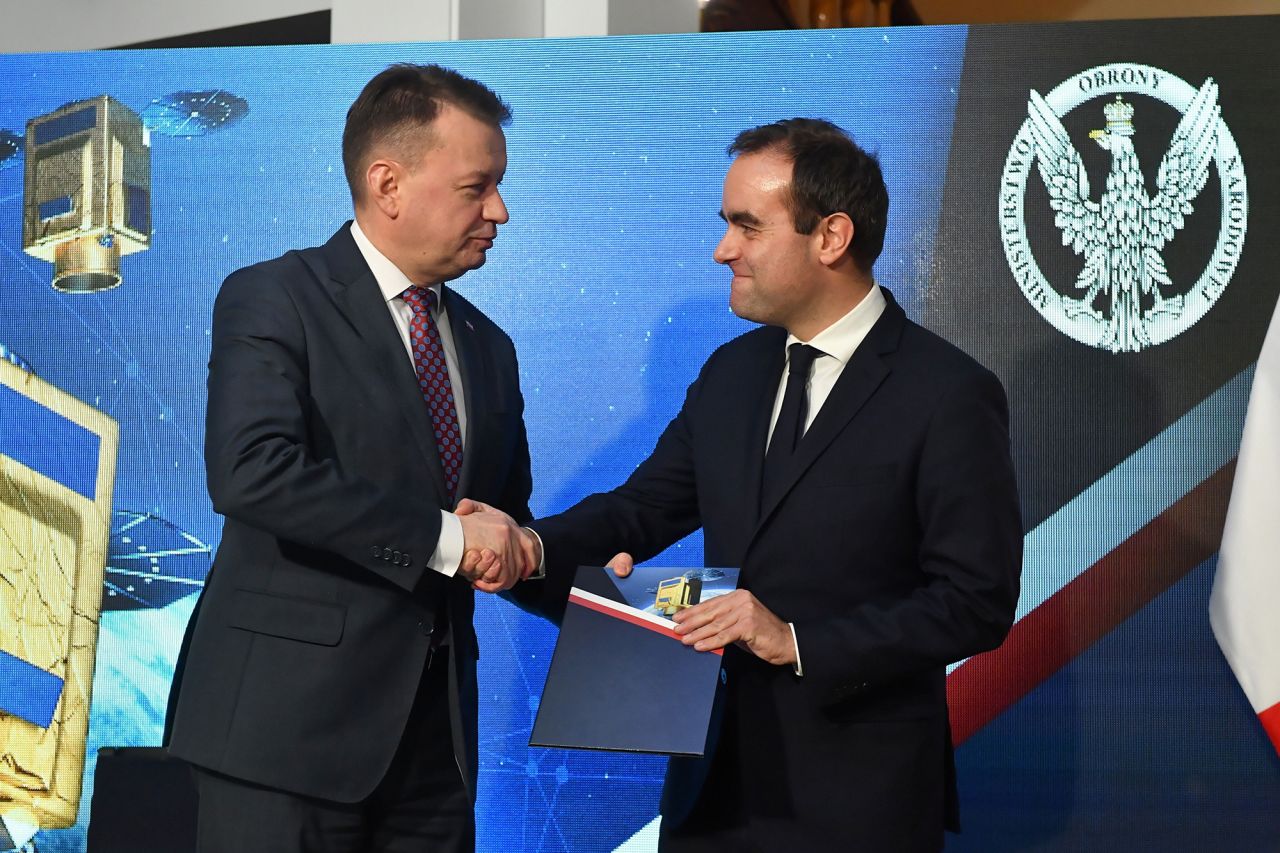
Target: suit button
425	628
408	561
377	552
395	557
386	554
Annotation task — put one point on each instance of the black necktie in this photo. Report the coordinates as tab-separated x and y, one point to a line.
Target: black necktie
790	425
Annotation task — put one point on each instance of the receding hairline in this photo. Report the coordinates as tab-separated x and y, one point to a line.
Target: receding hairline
410	140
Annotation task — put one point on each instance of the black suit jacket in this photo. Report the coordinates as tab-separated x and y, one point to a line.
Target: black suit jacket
895	548
310	638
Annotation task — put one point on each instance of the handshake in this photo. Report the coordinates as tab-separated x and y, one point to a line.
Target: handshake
496	551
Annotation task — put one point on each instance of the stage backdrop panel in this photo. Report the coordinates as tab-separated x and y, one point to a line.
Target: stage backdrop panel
1108	721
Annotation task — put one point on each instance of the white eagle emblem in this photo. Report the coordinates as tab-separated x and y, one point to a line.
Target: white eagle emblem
1121	235
1125	298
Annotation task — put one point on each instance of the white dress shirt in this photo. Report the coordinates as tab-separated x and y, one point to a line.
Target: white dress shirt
836	343
392	282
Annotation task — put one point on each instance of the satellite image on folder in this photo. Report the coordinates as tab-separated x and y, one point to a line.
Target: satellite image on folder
641	587
620	678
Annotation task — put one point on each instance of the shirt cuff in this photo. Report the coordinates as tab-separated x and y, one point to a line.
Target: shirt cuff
448	554
540	572
797	668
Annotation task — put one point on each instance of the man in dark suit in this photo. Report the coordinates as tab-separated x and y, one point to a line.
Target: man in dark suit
327	692
856	467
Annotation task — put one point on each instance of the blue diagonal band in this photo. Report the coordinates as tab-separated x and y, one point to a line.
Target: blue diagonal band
28	691
48	443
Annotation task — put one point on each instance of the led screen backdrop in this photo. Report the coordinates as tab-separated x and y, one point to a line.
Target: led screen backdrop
1108	721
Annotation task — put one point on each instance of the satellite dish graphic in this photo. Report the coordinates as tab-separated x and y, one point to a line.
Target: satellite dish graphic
10	148
194	113
151	562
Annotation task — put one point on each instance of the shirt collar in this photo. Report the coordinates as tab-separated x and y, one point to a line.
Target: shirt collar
842	337
391	281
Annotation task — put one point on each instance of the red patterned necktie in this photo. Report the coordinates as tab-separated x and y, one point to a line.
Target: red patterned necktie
433	379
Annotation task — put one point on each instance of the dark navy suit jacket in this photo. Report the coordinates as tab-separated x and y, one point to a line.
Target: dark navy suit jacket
895	548
309	641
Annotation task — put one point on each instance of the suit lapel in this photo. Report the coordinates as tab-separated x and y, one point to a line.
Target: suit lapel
473	366
357	296
863	374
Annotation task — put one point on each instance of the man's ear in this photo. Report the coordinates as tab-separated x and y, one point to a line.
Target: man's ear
382	186
834	235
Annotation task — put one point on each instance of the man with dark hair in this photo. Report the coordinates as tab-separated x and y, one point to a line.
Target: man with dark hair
327	692
829	174
856	467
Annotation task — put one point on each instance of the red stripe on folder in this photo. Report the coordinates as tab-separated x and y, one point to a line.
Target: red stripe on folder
626	615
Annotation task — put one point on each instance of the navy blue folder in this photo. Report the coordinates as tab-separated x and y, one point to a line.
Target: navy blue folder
620	678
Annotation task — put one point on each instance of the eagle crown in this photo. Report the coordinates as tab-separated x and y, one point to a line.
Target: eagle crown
1119	114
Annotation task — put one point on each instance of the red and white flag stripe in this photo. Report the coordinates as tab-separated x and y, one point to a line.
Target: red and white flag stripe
1246	589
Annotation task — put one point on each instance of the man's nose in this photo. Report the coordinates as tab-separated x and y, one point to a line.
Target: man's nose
495	209
725	251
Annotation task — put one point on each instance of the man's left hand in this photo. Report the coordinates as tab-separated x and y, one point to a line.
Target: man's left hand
737	617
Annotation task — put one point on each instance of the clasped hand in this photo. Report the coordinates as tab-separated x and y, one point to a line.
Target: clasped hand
497	551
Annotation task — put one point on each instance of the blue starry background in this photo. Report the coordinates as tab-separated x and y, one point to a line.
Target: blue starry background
603	278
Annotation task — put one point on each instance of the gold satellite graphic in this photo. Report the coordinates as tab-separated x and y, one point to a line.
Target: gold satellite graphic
57	467
86	204
86	201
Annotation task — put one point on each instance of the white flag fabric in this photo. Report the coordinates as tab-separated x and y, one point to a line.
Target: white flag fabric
1244	609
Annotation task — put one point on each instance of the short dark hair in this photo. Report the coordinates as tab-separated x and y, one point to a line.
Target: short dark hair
401	102
830	174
